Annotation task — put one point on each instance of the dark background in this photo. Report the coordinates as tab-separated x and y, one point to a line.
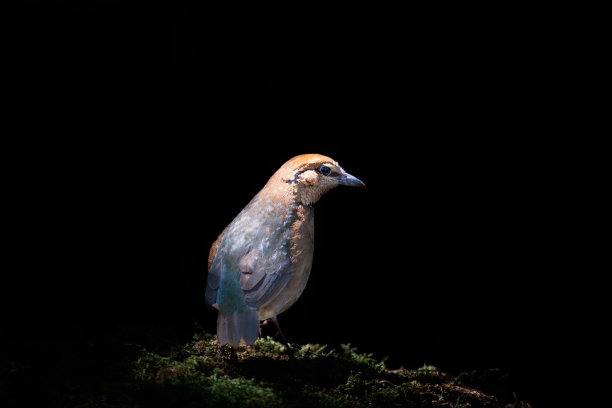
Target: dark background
140	131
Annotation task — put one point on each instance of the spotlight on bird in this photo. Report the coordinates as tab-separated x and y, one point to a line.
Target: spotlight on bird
259	265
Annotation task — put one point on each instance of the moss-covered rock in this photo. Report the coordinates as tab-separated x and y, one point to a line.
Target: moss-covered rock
271	374
114	370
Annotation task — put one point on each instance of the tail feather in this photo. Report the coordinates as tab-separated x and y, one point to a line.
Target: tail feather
237	328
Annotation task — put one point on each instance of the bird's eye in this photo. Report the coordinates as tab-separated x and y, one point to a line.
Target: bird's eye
324	170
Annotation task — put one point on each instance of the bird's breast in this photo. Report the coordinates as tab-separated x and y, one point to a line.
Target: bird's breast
301	252
302	235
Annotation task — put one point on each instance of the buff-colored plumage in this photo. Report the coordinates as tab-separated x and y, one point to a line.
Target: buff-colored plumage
260	263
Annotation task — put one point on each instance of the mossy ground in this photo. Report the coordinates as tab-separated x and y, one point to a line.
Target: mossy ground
200	373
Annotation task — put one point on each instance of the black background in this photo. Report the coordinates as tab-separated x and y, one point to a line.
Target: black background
140	131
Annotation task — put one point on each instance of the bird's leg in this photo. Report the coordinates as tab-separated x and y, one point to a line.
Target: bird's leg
264	328
280	333
264	323
233	358
283	338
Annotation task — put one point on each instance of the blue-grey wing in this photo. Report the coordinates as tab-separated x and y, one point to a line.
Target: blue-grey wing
212	283
214	274
252	261
263	277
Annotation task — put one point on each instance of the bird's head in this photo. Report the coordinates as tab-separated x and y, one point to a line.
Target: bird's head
309	176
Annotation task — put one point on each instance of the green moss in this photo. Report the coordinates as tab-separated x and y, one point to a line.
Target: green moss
351	354
197	372
271	374
198	379
427	369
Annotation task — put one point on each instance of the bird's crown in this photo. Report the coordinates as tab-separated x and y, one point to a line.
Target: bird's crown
310	161
308	176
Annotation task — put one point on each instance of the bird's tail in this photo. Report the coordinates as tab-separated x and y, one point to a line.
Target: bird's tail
237	328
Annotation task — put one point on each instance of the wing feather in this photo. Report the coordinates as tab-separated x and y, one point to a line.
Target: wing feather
261	277
214	275
247	277
267	287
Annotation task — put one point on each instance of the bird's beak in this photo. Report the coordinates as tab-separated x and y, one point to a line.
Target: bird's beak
349	180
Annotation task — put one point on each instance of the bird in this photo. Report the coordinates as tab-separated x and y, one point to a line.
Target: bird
260	263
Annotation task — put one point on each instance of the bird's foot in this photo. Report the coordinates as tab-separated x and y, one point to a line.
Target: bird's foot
290	351
233	357
279	334
268	329
271	328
